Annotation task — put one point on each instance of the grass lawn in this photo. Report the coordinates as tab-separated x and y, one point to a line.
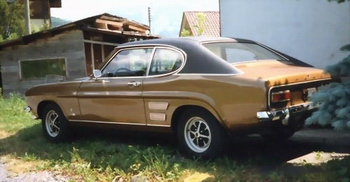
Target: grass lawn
95	156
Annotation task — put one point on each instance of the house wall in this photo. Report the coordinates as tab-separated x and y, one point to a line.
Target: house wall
68	45
310	30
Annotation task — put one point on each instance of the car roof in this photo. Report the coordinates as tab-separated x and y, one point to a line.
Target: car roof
200	60
177	40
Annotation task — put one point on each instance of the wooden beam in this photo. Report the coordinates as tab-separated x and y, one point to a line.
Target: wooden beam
109	25
55	3
134	28
101	43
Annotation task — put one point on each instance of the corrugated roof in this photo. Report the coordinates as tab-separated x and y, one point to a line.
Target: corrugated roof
211	22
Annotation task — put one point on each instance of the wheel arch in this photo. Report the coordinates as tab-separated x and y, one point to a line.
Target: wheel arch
181	109
42	105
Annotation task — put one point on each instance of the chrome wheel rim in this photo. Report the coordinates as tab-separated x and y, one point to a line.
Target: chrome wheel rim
197	134
52	123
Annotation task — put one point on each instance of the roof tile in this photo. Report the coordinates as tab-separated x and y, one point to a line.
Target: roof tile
211	25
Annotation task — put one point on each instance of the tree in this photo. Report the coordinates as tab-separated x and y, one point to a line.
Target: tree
12	20
201	18
185	33
334	99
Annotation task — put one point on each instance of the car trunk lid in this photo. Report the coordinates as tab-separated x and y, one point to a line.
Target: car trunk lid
286	84
280	73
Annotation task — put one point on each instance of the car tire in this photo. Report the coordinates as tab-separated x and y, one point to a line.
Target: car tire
55	125
200	134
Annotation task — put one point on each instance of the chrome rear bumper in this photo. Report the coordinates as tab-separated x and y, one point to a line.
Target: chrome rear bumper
284	115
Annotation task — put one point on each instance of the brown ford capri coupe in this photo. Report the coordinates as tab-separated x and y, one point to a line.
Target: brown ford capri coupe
202	89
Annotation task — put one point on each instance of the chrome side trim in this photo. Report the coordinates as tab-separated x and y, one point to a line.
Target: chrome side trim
158	125
106	122
119	123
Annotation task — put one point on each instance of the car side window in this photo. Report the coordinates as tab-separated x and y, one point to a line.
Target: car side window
165	61
129	62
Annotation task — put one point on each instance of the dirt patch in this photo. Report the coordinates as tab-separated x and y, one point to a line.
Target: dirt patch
14	170
17	166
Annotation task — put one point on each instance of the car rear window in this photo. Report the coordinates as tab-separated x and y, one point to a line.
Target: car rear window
234	52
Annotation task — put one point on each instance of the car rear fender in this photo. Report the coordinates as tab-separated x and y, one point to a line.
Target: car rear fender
181	109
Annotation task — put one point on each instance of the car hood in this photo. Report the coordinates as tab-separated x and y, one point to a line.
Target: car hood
274	72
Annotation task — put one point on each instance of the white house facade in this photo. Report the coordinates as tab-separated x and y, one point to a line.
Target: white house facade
310	30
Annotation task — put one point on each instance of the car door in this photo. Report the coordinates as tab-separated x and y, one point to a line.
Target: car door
117	95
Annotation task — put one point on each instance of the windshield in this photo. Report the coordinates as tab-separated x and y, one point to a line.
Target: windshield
234	52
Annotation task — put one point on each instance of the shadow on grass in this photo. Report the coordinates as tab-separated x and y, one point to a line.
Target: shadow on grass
31	141
110	148
97	149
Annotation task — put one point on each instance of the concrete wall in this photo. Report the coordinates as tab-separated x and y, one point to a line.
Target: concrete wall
310	30
68	45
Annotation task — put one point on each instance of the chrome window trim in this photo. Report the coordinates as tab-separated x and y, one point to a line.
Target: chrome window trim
127	48
212	74
268	48
150	62
183	59
256	43
154	47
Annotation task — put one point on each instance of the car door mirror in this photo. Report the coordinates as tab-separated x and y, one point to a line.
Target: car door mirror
97	73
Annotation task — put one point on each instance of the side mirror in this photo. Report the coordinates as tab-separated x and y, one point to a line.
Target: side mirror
97	73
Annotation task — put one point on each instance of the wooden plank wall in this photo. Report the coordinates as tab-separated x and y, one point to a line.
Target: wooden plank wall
67	45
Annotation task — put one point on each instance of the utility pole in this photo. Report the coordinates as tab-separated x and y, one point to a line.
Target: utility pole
149	19
27	16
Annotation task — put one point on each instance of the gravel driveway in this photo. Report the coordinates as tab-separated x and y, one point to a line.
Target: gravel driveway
45	176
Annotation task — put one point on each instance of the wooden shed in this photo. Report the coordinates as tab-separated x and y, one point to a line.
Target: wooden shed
64	53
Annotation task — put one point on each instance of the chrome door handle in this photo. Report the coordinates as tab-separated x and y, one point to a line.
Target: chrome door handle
134	84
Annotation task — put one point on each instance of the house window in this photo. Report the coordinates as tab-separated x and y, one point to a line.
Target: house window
32	69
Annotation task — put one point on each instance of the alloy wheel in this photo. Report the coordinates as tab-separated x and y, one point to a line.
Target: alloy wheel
53	124
197	134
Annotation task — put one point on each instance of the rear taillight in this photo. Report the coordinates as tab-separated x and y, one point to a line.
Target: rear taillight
281	96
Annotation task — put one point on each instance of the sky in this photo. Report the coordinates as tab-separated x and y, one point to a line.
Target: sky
166	15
